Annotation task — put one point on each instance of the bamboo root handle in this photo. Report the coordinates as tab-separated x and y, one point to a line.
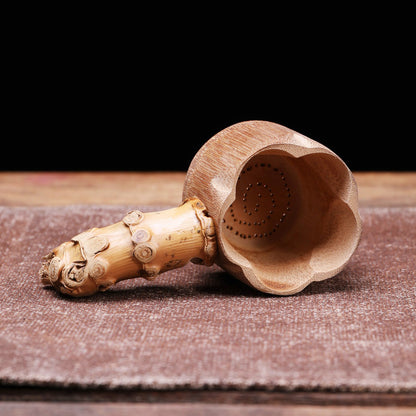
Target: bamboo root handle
141	245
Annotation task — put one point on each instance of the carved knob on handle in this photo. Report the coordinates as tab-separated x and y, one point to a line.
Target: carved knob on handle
141	245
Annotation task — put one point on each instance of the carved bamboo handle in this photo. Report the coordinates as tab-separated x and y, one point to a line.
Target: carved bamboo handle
141	245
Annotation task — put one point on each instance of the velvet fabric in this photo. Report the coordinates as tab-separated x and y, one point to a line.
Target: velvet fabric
198	327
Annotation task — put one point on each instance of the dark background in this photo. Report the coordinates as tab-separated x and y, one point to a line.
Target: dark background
118	99
79	125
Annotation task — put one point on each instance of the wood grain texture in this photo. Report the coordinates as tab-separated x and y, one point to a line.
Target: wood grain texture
285	207
386	188
140	245
65	188
164	188
192	409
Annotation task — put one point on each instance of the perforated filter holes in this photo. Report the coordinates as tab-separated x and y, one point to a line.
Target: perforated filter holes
262	204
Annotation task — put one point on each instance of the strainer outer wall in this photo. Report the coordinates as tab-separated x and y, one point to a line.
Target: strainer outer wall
213	174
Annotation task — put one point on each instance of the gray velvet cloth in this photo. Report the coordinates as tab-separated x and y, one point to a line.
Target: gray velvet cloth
197	327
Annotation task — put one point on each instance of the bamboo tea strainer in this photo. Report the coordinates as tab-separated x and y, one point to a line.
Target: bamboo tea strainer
272	207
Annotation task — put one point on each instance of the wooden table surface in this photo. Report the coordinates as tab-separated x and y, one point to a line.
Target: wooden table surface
160	188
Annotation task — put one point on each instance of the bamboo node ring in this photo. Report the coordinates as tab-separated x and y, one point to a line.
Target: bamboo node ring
133	217
270	206
144	252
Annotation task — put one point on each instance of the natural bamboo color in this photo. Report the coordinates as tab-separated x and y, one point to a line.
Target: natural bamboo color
141	245
281	207
381	189
285	207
